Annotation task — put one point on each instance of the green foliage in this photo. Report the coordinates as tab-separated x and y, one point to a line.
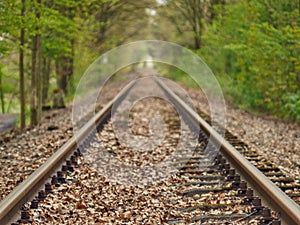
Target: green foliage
257	45
58	30
291	105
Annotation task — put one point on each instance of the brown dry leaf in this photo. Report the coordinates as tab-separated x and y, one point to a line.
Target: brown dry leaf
80	205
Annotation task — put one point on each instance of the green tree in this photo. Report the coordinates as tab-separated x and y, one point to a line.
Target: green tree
256	44
59	32
12	30
190	18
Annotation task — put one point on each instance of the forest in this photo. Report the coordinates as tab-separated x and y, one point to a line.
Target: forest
253	47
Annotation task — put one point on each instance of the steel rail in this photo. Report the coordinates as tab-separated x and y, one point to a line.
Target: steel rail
12	203
274	197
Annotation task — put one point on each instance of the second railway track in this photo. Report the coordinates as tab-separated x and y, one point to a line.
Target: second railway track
229	190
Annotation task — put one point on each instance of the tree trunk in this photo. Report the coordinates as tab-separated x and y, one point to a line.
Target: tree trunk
21	69
197	15
2	93
71	69
64	72
46	78
61	74
39	77
36	76
33	102
197	41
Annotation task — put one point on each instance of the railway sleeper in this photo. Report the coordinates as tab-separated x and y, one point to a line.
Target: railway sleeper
56	180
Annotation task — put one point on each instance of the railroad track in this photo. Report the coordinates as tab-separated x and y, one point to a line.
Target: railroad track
229	190
287	184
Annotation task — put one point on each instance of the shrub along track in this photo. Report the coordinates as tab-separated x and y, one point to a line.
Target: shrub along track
198	192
